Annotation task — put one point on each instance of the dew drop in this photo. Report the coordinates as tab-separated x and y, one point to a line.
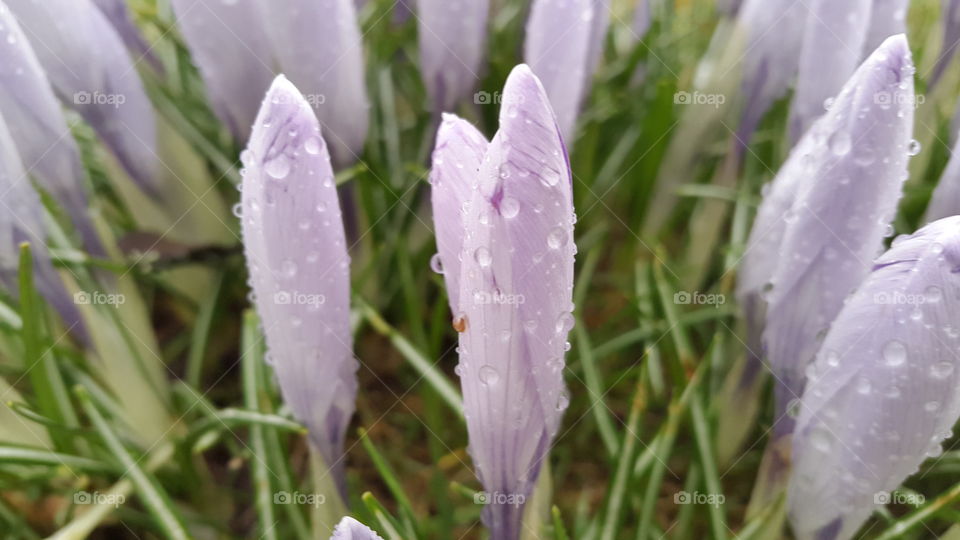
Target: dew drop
840	143
483	257
550	177
941	370
436	264
913	147
894	353
313	145
278	167
564	322
509	207
489	375
557	238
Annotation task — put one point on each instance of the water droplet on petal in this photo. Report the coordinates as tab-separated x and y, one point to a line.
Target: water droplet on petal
557	238
436	264
489	375
509	207
894	353
483	257
278	167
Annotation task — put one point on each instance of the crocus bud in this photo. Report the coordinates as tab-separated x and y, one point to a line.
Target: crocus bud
827	212
773	31
93	74
229	45
888	18
883	393
299	268
118	14
317	44
39	129
21	220
515	266
563	45
832	49
453	35
351	529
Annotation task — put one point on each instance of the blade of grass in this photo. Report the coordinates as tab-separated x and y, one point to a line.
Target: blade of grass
393	483
427	369
388	525
621	478
251	399
911	520
201	332
702	434
151	494
45	378
559	530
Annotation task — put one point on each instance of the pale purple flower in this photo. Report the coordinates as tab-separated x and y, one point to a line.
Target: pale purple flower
453	37
515	267
318	46
772	33
563	45
883	393
888	18
826	213
21	220
39	129
950	17
833	42
93	74
230	47
351	529
119	16
299	267
641	19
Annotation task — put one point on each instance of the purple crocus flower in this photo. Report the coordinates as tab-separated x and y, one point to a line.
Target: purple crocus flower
511	261
351	529
317	44
119	16
950	10
883	393
832	49
299	267
563	46
21	220
93	74
453	36
826	214
37	124
641	19
773	36
888	18
230	47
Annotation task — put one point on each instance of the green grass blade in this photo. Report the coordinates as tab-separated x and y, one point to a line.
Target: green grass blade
53	401
151	494
263	494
